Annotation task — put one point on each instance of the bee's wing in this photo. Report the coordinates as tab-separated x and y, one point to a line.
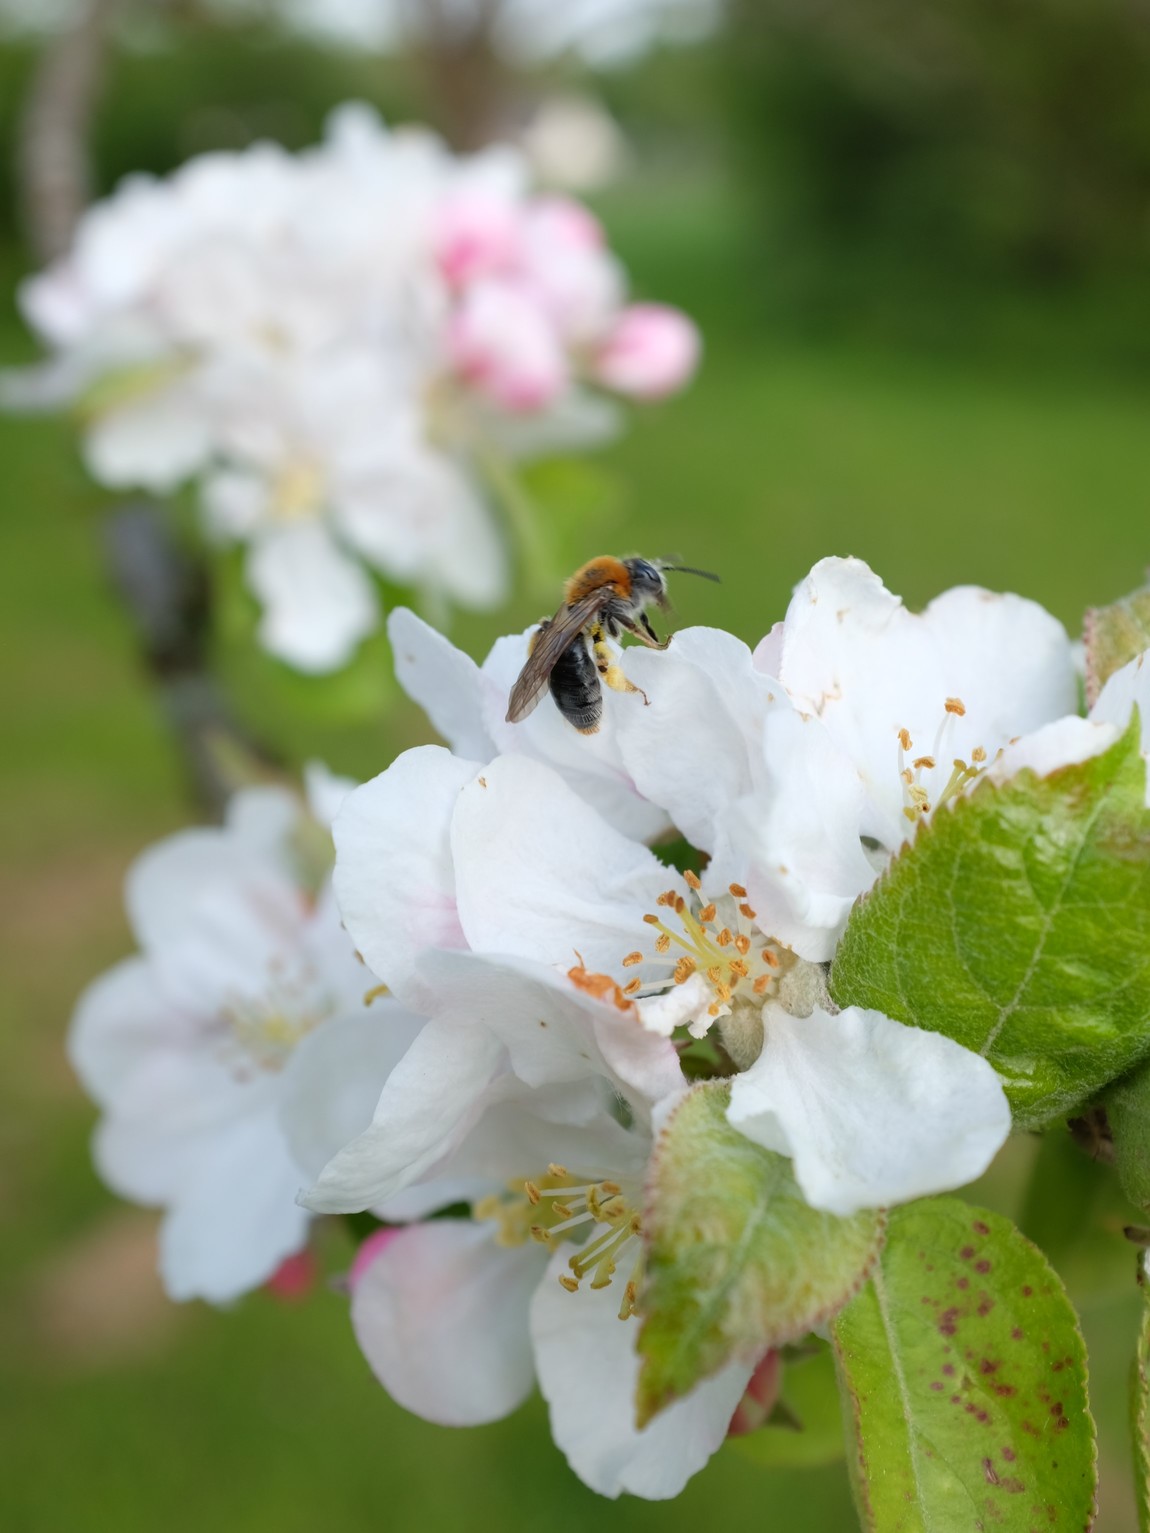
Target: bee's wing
552	642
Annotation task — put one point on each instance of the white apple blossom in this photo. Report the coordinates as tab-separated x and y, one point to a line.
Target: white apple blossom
505	859
852	721
346	348
517	1081
197	1048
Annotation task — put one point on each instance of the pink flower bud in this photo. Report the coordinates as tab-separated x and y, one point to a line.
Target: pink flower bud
502	342
560	222
294	1278
476	235
373	1247
650	351
760	1398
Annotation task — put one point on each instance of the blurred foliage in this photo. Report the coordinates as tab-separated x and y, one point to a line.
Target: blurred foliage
906	159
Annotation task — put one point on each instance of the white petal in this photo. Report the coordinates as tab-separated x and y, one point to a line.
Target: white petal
1063	743
230	1228
798	834
588	1372
872	1112
325	792
540	875
394	877
177	876
552	1030
428	1102
334	1077
318	604
681	1004
441	1316
153	445
1126	689
694	749
444	681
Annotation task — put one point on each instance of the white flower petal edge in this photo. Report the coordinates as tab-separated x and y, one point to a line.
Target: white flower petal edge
445	682
318	603
1066	742
394	879
333	1081
441	1316
872	1112
588	1371
1126	689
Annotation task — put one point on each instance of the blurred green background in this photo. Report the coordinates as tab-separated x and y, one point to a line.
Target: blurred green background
917	245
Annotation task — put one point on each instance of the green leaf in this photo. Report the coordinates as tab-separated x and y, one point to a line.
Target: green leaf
965	1379
1018	923
1127	1104
1114	636
1140	1419
811	1397
736	1260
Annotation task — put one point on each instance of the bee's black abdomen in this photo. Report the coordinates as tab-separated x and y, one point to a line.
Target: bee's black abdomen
576	688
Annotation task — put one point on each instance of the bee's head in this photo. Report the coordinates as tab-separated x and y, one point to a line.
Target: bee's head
648	583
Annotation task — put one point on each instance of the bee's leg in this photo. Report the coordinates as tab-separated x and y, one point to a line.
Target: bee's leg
616	680
643	631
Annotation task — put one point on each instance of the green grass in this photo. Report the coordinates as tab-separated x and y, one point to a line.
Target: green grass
1006	473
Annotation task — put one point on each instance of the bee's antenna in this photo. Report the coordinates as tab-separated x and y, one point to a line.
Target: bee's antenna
686	569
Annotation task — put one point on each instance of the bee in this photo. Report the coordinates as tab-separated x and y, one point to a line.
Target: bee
569	652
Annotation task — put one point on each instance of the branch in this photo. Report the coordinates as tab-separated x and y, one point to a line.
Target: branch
53	158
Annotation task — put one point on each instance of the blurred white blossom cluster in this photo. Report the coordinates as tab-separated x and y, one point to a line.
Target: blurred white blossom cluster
477	1027
345	349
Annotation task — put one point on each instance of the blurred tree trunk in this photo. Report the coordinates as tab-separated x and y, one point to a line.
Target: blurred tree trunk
466	81
55	164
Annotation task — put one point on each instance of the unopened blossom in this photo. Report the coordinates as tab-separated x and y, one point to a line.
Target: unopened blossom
196	1047
346	349
852	722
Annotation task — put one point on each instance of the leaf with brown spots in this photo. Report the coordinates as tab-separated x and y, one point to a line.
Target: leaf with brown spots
964	1373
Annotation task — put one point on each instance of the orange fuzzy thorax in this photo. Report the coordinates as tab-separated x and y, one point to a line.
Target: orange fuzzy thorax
604	571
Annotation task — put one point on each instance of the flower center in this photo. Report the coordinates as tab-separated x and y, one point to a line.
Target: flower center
297	491
262	1031
601	1218
917	775
718	949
